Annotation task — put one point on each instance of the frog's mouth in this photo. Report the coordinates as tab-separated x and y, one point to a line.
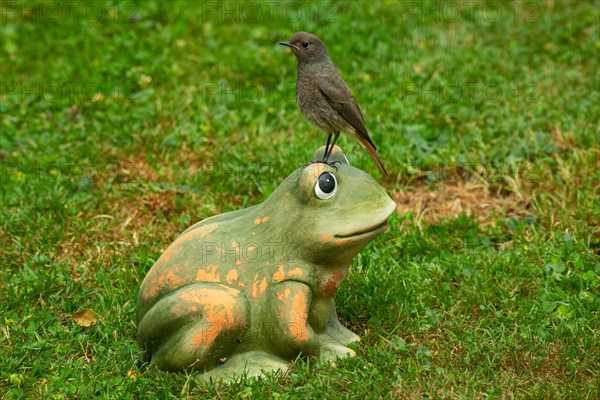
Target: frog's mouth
374	230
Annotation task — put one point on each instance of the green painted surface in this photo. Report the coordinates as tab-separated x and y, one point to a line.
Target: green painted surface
252	289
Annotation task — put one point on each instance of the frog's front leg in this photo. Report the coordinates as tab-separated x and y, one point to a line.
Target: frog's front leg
289	331
291	303
336	330
334	337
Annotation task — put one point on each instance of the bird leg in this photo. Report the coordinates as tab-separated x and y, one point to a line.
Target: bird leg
327	154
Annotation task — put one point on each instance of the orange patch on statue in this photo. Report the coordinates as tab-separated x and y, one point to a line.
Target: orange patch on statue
232	276
263	285
168	280
344	242
258	288
230	290
202	232
333	283
315	170
150	290
208	275
326	238
218	314
279	276
171	280
183	309
298	316
166	256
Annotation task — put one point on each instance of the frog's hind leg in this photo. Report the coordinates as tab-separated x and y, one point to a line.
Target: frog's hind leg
194	327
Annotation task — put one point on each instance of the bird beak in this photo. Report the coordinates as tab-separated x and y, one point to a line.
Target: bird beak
288	44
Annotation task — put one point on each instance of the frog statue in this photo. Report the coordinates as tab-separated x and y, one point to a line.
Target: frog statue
246	292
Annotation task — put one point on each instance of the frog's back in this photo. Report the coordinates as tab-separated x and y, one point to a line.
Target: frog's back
222	218
194	256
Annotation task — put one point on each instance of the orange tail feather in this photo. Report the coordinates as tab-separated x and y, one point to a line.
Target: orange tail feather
370	147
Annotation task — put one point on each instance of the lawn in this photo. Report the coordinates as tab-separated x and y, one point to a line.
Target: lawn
123	123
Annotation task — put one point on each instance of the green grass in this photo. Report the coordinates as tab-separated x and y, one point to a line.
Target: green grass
122	123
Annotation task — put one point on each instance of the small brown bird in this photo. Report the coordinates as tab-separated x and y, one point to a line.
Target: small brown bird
324	98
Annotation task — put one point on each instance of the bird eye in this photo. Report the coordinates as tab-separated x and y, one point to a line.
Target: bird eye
305	44
326	186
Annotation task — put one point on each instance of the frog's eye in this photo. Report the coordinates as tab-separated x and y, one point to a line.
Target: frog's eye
326	186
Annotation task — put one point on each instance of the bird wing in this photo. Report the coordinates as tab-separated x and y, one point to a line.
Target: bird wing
340	98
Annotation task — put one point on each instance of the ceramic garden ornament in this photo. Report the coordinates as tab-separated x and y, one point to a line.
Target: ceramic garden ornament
248	291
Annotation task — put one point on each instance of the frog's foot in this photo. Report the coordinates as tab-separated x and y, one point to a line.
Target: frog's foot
331	351
340	334
246	365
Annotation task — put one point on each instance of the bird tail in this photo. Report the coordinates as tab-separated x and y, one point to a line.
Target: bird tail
372	150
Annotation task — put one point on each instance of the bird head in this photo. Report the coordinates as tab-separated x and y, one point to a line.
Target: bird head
307	47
